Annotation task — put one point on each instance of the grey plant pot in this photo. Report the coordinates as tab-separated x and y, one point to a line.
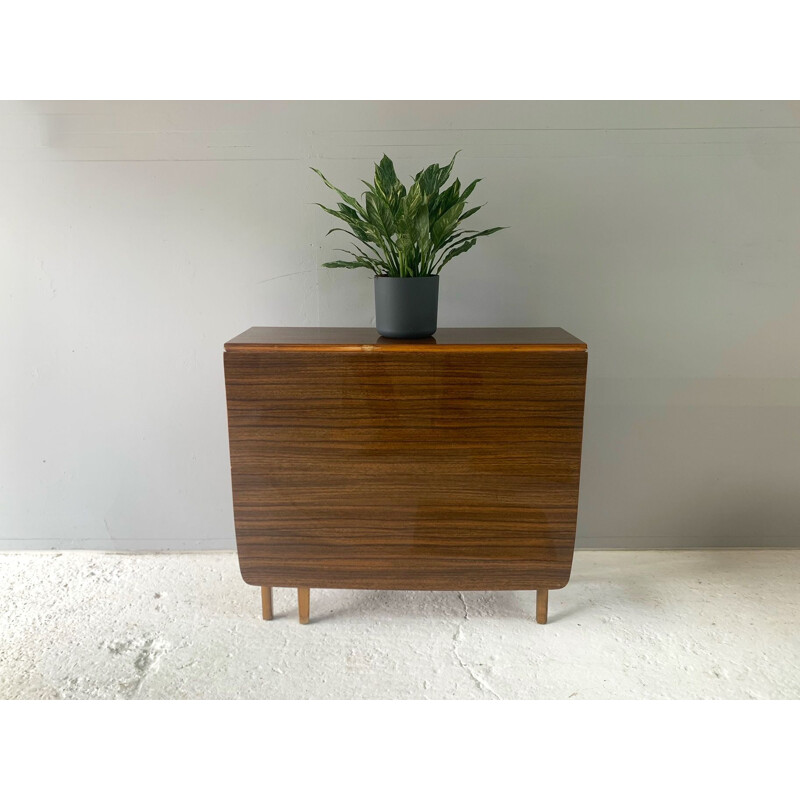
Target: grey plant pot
406	308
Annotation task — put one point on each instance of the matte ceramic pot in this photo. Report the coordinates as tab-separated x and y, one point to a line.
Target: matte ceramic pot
406	308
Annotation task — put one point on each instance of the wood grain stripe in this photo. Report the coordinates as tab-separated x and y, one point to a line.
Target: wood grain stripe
449	467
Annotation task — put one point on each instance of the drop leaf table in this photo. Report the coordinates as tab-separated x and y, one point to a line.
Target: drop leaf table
446	463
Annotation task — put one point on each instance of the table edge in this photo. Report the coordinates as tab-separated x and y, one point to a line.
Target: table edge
241	347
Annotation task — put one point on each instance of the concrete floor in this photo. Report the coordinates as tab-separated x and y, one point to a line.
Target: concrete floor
691	624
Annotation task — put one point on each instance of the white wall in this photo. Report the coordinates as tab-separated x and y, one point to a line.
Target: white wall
136	238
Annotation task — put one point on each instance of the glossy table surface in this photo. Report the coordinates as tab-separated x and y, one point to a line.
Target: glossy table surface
368	338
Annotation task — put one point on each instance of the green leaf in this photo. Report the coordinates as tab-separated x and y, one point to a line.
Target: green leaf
470	213
444	173
346	197
357	238
410	205
345	265
456	248
446	224
474	235
469	189
457	252
386	181
442	203
373	257
380	214
350	219
428	180
364	260
349	212
421	229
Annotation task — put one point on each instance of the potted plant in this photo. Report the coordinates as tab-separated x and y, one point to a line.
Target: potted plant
406	236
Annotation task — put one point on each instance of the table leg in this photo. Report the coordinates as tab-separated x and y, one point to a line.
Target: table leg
266	602
303	603
541	606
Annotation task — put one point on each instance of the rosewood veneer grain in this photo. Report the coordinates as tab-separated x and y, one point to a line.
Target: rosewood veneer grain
449	463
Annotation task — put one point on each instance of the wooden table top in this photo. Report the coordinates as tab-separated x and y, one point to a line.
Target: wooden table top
368	339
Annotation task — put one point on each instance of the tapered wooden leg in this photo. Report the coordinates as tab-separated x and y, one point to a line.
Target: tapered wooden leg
541	606
303	603
266	602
